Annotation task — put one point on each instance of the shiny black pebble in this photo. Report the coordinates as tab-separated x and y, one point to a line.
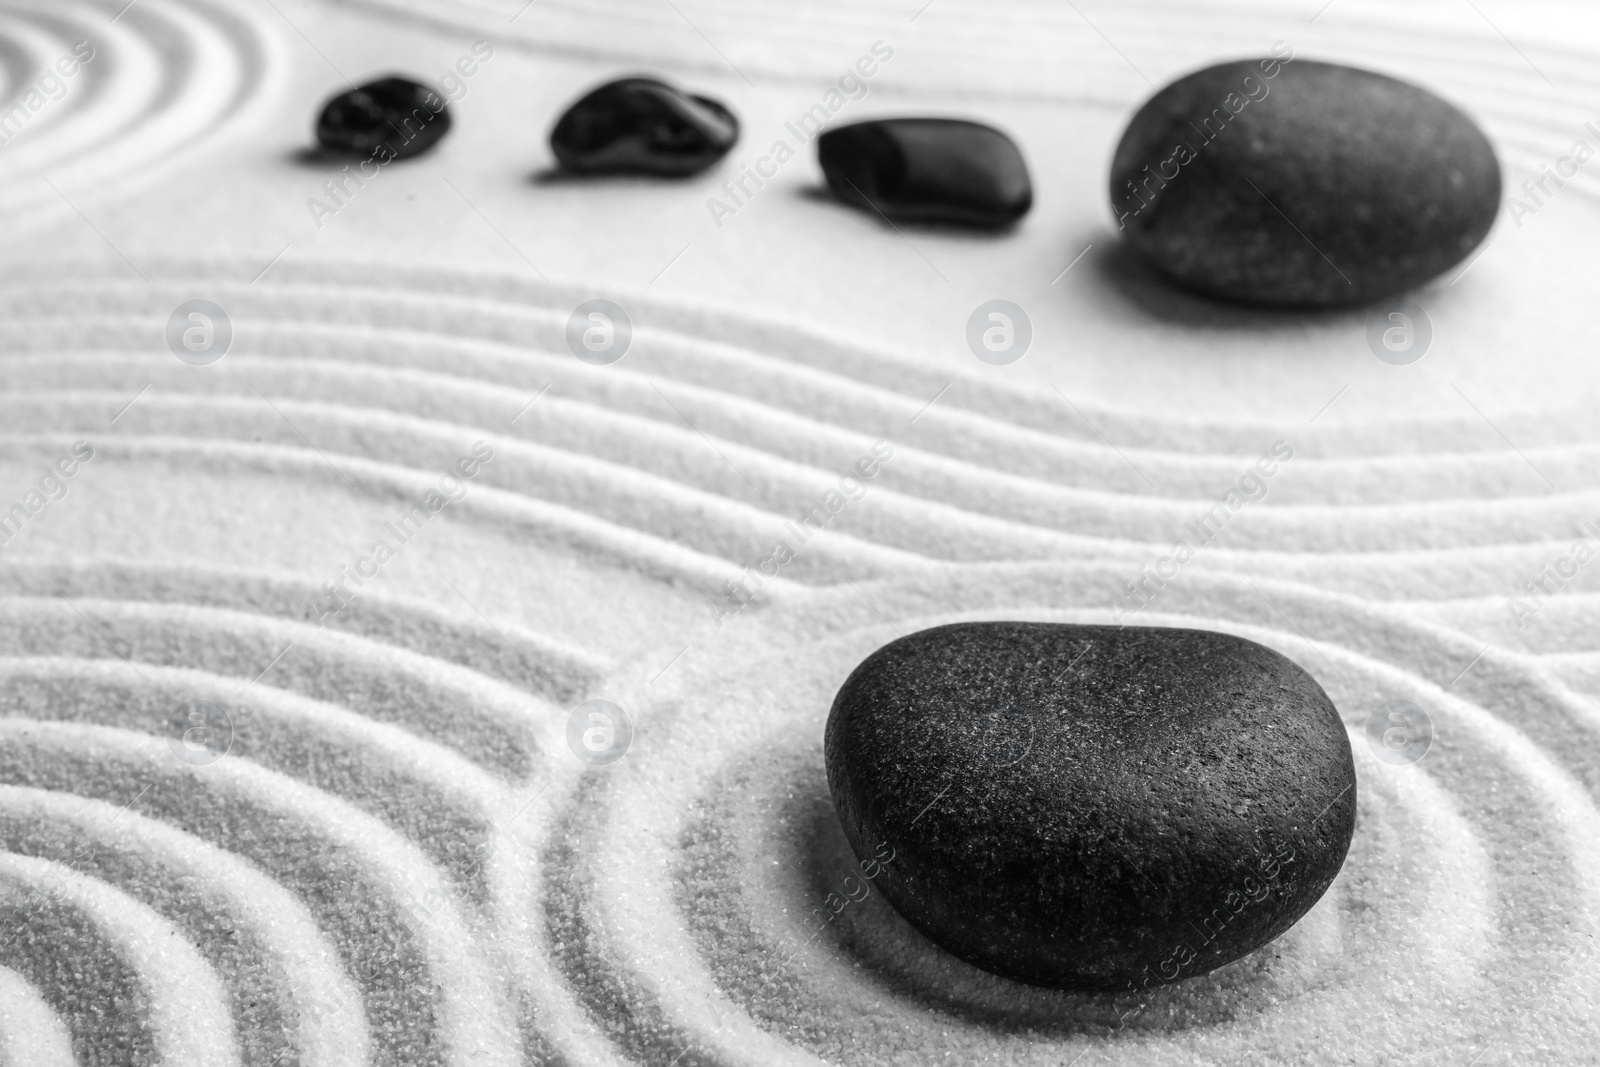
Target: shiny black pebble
928	170
643	126
392	118
1302	183
1092	807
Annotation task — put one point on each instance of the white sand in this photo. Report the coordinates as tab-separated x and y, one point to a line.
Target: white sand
400	861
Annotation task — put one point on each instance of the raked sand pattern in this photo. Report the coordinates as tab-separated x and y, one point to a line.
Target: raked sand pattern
110	88
399	859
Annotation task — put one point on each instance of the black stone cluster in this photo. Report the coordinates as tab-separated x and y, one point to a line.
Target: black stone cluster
908	169
1274	181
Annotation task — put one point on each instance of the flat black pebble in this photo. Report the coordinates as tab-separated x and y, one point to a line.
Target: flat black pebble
1092	807
928	170
643	126
406	116
1315	184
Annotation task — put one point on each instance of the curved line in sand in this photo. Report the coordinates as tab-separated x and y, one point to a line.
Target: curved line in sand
514	319
593	459
187	1011
236	896
31	1033
969	51
166	76
606	414
443	644
376	875
499	728
1458	552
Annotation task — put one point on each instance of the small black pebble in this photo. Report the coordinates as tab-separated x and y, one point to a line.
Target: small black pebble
643	126
403	116
1092	807
928	170
1292	182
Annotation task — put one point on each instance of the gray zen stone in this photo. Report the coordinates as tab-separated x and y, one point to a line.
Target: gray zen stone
1092	807
1302	183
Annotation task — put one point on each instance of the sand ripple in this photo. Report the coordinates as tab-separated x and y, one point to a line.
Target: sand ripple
161	78
398	859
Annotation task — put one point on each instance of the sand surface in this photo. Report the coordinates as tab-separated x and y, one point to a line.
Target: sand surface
399	859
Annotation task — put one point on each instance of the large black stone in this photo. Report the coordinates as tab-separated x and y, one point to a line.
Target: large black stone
1092	807
643	126
393	118
1302	183
928	170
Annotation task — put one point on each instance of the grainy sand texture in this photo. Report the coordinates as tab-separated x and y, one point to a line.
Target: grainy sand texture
270	795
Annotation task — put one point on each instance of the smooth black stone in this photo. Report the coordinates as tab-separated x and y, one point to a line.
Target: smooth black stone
1167	803
928	170
1337	186
643	126
393	117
